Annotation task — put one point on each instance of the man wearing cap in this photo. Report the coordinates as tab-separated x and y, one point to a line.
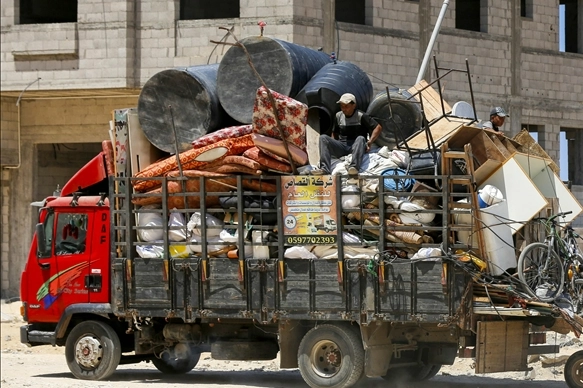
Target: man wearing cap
349	136
497	117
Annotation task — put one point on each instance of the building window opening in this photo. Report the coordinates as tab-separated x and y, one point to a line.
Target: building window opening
44	12
351	11
569	27
571	142
526	8
204	9
468	15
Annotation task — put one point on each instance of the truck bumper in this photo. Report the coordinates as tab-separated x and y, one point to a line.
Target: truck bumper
31	337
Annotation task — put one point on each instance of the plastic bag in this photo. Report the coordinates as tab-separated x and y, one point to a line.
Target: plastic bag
428	254
177	227
195	246
179	251
150	220
350	200
299	252
211	221
150	251
230	235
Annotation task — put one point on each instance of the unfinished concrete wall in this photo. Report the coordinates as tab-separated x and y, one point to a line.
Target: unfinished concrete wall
9	132
58	137
116	45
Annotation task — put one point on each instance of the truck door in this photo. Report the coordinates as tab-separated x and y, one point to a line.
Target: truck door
64	270
97	280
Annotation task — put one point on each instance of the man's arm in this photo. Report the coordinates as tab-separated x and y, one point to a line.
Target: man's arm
374	135
376	129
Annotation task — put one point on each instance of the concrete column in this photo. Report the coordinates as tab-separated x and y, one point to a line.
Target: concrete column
580	26
575	147
4	234
21	216
329	28
425	30
549	139
513	125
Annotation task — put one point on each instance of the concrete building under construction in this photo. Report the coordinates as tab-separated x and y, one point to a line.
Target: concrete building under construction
67	64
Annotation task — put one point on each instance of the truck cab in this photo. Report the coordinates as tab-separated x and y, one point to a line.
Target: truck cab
67	264
67	270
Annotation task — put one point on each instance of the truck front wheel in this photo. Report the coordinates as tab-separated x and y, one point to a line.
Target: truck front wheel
331	356
93	350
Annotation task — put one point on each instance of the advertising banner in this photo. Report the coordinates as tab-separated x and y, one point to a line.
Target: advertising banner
309	210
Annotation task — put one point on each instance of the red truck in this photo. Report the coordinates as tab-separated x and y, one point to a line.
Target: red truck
336	318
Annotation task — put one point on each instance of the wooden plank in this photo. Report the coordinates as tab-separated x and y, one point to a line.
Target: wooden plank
510	144
313	145
431	100
485	170
440	132
143	152
483	147
529	146
502	346
500	145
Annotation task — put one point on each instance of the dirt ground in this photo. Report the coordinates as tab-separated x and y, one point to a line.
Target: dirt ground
45	367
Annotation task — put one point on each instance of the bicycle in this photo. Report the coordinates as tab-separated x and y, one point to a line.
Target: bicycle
546	268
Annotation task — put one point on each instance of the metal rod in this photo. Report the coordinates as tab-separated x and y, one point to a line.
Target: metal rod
439	86
432	41
471	90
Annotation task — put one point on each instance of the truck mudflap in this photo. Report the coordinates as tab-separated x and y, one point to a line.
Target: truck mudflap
33	335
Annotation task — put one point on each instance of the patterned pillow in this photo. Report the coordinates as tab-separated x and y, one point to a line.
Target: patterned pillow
292	114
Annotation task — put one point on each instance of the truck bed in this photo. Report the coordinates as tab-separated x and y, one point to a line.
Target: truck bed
383	287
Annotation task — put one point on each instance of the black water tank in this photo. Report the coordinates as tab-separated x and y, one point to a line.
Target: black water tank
406	116
323	91
192	93
285	67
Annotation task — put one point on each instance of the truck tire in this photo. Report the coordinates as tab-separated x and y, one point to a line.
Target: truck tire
574	370
92	350
412	373
167	364
244	350
432	372
331	356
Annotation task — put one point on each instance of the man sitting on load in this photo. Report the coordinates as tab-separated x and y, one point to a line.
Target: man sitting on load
349	136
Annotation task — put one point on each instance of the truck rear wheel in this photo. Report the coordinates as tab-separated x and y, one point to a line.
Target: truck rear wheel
412	373
169	363
92	350
574	370
331	356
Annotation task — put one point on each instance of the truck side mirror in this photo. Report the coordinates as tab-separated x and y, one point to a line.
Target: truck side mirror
41	244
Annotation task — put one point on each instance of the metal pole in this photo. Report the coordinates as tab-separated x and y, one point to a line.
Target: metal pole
432	41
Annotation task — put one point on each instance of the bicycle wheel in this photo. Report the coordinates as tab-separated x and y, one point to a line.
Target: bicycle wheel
541	271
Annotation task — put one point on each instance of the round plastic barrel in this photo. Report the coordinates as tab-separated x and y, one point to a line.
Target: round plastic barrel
192	95
406	120
284	67
323	91
394	180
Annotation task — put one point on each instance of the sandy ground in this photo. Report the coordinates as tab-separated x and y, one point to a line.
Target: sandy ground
45	367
